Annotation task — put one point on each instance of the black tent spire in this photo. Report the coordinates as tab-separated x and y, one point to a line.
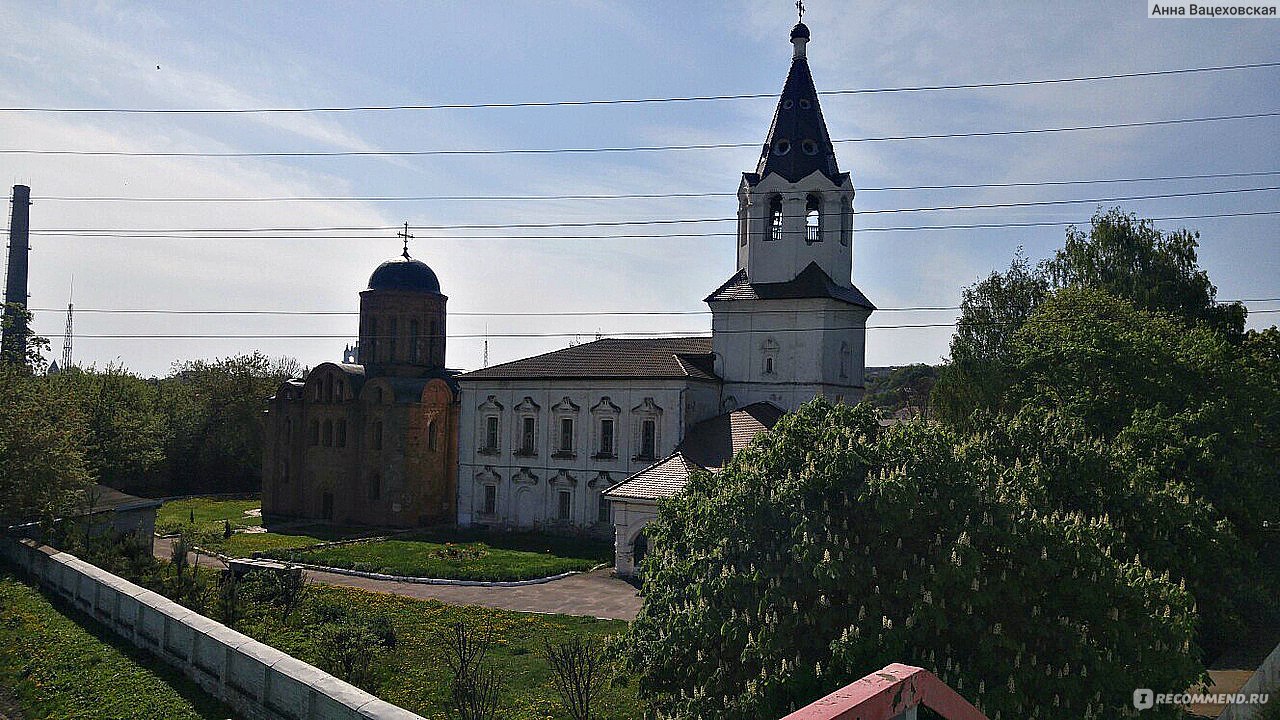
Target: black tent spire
798	143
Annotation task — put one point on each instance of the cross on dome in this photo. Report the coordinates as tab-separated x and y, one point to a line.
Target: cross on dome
407	237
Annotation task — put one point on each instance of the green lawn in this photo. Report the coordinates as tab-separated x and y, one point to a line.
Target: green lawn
210	514
415	675
245	544
463	555
56	667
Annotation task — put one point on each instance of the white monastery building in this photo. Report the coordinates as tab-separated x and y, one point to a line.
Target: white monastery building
592	437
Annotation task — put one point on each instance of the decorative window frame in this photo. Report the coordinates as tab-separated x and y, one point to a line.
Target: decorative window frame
769	350
563	478
604	410
490	408
526	410
601	482
646	410
566	409
524	477
488	478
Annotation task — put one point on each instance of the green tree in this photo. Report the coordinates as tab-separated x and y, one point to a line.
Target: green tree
32	356
215	411
42	464
126	428
1130	258
829	548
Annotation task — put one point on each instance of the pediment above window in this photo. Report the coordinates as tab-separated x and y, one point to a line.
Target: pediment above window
524	477
606	406
491	404
562	479
648	407
527	405
488	475
565	406
600	481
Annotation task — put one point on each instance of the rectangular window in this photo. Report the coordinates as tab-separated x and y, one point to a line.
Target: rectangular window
566	500
566	435
413	341
342	433
377	435
490	500
526	443
491	433
648	439
604	510
606	438
391	340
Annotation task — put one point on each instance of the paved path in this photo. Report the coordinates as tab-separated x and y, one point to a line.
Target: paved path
596	594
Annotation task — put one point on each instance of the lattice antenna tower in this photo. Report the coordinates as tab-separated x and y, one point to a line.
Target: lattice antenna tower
66	334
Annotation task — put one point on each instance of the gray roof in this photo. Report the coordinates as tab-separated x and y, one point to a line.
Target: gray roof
613	358
106	498
660	480
812	282
711	443
707	446
405	273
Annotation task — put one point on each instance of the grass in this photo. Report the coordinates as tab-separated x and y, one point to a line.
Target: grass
209	513
415	675
245	544
463	555
56	667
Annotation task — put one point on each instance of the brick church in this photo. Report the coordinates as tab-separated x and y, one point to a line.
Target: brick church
372	442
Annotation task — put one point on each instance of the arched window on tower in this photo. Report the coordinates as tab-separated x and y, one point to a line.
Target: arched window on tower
846	361
414	339
742	220
431	435
328	388
775	218
813	219
391	340
328	433
373	341
846	221
433	342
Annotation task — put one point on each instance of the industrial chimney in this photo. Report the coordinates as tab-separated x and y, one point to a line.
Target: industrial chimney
14	344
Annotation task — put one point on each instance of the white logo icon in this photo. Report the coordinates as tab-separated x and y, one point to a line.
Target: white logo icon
1144	699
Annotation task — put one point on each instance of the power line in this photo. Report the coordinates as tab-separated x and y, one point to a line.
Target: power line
529	335
255	233
623	196
622	149
560	313
637	101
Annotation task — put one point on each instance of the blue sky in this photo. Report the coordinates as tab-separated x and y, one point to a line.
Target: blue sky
80	54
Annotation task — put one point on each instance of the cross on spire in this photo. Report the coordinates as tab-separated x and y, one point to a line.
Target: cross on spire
407	237
800	9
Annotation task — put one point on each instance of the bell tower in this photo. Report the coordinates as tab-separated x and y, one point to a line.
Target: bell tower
797	207
790	324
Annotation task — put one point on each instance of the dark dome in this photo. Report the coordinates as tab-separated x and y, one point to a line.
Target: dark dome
404	274
800	31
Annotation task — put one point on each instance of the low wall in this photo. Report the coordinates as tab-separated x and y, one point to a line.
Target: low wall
1265	680
260	682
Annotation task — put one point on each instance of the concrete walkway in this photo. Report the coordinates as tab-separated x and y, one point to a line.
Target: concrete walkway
596	594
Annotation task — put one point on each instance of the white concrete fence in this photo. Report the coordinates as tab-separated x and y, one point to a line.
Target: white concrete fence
258	681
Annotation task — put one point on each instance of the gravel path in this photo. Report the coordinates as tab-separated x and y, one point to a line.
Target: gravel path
595	594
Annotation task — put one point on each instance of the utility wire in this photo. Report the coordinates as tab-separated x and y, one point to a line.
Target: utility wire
624	196
622	149
637	101
561	313
490	336
251	234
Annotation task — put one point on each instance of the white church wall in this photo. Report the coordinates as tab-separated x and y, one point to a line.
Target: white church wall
527	485
788	351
